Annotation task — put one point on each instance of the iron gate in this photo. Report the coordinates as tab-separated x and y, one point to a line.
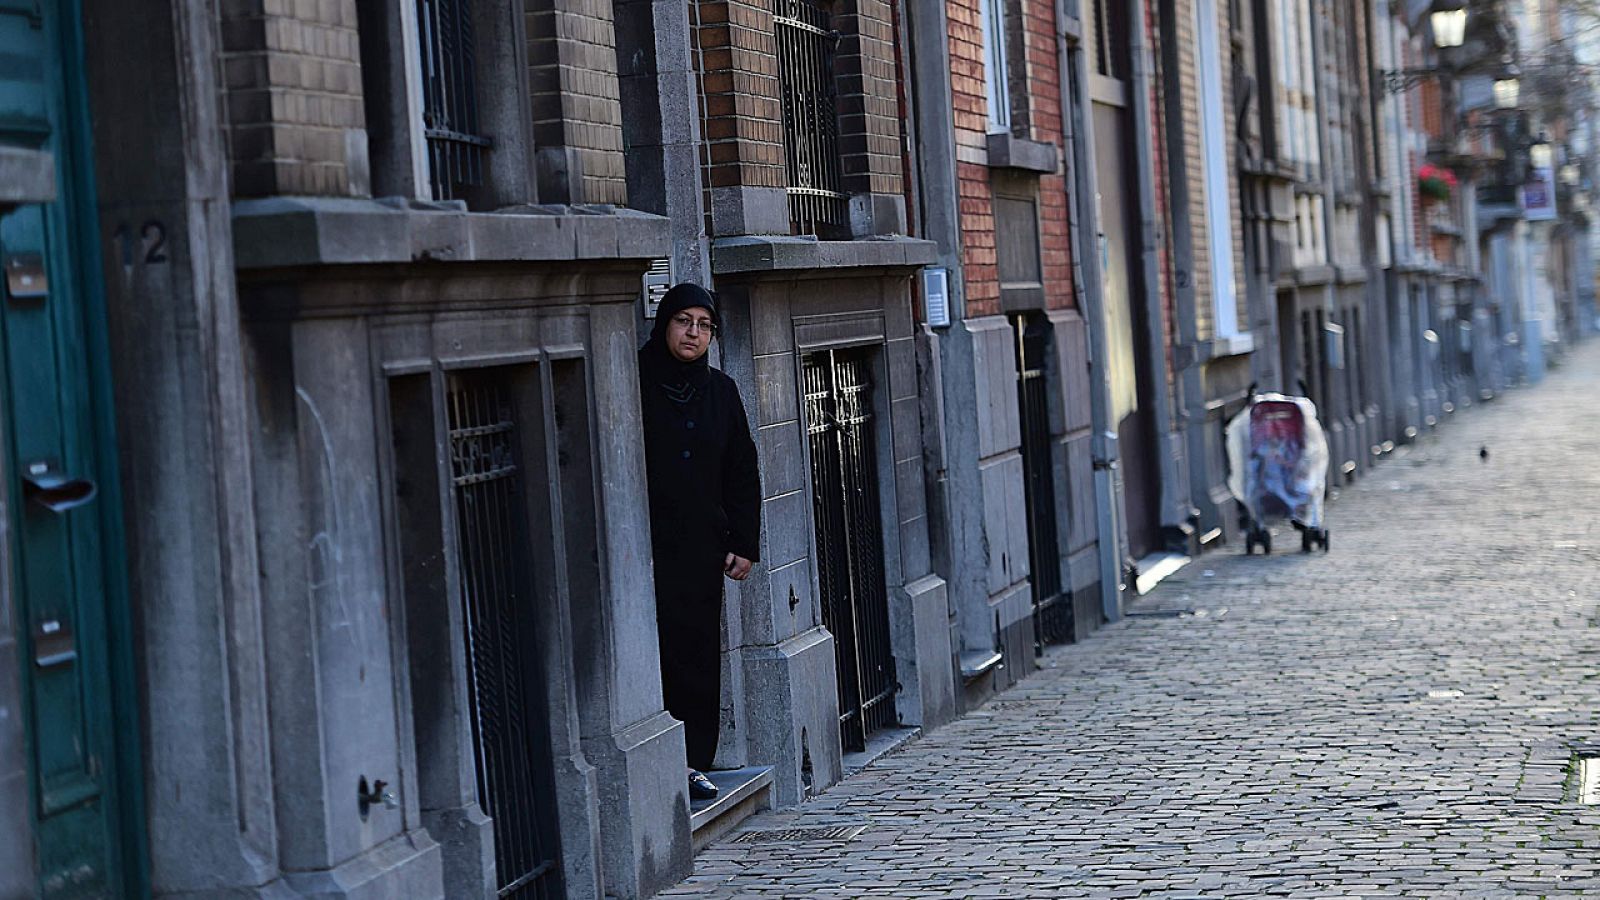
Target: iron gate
849	525
510	736
456	150
1052	607
806	44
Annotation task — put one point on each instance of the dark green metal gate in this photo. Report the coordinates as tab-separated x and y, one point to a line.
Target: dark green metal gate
849	531
58	459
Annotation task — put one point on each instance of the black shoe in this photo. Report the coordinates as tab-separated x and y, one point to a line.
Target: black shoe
700	787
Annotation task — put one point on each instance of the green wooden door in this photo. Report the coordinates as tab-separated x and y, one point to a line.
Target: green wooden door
57	457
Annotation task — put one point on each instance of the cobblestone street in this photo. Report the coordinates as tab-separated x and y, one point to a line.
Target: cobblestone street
1393	719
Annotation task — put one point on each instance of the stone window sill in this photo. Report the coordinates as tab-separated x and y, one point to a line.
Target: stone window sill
1352	275
1010	152
26	176
1224	346
1309	276
329	231
781	253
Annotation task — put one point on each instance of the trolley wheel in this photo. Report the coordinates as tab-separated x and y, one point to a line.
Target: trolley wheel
1324	540
1249	542
1266	542
1307	541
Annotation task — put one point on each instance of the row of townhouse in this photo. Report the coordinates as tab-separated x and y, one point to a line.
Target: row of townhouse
324	539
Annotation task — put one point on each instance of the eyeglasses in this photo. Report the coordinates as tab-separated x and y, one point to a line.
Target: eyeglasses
705	326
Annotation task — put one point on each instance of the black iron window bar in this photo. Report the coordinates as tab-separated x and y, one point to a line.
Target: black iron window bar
850	540
456	150
1397	81
806	48
1052	607
515	766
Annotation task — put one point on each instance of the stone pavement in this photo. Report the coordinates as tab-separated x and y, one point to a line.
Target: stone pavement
1393	719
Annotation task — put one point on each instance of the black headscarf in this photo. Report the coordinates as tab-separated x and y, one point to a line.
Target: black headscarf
680	380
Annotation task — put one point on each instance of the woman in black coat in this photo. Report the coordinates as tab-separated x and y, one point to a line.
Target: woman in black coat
705	511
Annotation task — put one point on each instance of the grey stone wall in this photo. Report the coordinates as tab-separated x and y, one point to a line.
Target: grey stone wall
781	705
366	654
184	451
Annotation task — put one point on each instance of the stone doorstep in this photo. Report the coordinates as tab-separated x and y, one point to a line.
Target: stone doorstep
878	746
977	663
741	793
1156	567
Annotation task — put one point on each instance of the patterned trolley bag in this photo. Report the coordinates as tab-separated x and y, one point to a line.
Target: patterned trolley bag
1278	469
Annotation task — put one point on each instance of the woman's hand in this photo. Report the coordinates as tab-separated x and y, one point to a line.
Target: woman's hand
736	567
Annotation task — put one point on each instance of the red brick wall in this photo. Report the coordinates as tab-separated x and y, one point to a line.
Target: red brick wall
980	273
738	61
869	109
1044	116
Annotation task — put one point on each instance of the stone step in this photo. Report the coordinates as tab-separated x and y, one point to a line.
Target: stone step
741	793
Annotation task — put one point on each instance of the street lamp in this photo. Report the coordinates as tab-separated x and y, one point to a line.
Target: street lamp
1449	27
1507	91
1449	24
1541	156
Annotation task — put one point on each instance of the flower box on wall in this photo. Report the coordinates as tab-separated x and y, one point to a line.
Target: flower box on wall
1435	183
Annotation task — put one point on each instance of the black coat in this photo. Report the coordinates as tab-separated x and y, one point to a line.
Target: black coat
705	502
705	488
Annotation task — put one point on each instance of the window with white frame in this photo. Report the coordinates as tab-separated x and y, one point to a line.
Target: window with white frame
992	16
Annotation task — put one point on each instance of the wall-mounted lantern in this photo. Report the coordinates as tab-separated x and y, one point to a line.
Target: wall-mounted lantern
1541	155
1449	27
1448	21
1507	91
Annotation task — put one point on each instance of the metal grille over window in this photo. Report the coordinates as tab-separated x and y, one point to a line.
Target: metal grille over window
849	526
449	97
806	46
510	736
1052	608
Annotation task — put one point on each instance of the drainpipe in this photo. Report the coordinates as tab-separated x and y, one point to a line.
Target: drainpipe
1328	409
1084	223
1190	354
1174	490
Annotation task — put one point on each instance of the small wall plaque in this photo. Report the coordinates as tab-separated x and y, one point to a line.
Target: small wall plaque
656	283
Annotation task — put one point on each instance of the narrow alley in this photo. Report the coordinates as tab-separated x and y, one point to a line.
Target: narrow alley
1397	718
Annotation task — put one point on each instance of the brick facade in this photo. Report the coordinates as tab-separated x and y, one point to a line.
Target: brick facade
574	95
980	271
869	107
738	60
979	263
1036	115
292	70
1037	21
1196	214
737	57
